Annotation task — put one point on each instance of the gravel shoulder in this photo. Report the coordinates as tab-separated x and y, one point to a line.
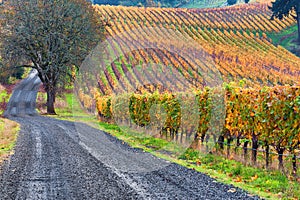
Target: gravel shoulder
57	159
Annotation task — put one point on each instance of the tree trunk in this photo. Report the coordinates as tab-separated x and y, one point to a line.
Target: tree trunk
267	155
50	101
245	147
206	142
238	143
280	152
294	161
254	148
202	138
221	142
229	140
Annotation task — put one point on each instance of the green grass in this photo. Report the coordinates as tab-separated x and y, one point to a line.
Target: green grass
73	111
285	38
3	94
8	137
267	184
266	181
4	97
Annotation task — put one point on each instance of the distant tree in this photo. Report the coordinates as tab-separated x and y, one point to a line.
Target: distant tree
150	3
281	8
51	36
247	1
169	3
142	3
231	2
6	73
110	2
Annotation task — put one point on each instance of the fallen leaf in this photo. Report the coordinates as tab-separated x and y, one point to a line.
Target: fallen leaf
253	178
238	179
232	190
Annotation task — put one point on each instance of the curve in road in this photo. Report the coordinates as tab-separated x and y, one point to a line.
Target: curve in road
57	159
23	99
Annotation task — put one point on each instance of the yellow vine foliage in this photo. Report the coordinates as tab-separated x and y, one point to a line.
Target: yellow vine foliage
269	113
235	38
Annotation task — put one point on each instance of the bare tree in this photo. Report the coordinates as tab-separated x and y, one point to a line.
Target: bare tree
51	36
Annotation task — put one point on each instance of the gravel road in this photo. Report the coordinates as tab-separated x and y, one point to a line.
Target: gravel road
23	99
65	160
57	159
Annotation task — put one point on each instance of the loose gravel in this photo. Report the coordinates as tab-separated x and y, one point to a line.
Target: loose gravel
57	159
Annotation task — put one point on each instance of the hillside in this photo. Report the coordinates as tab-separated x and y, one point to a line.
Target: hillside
234	40
170	3
214	3
204	4
211	89
287	38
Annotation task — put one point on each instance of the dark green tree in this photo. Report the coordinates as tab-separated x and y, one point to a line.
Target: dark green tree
281	8
231	2
51	36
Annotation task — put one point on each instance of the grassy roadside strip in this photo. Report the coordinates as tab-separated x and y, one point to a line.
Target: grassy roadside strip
267	184
74	112
4	97
8	137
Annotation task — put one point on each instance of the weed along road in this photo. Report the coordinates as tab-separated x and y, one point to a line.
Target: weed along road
57	159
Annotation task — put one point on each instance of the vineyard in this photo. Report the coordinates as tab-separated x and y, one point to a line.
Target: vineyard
235	38
268	118
158	56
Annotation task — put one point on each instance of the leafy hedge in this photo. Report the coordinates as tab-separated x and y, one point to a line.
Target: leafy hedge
265	117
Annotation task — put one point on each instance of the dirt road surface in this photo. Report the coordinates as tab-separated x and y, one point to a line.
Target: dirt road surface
57	159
